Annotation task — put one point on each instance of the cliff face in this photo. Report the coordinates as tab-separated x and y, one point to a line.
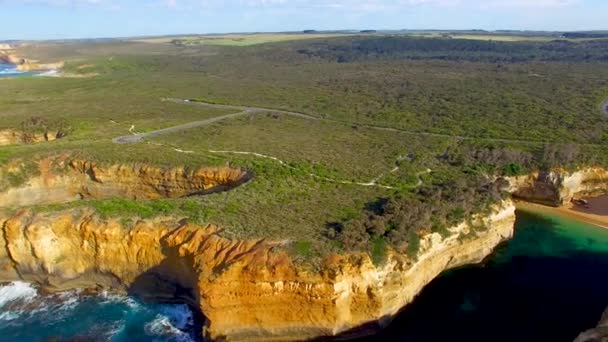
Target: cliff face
9	56
597	334
557	188
248	290
85	179
15	137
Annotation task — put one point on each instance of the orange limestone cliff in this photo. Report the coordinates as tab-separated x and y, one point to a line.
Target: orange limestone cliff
248	290
61	180
16	137
8	55
559	187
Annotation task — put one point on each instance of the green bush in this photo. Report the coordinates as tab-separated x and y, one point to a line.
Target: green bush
413	245
379	250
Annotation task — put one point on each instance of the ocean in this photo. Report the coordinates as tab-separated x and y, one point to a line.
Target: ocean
9	70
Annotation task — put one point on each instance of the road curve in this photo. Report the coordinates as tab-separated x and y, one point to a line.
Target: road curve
244	110
381	128
135	138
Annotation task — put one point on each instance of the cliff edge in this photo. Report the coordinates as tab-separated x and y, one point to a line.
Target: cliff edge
247	290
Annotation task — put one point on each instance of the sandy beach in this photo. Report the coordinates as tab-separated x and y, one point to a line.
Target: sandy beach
595	212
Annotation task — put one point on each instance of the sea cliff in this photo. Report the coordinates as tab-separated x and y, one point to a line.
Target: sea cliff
9	55
558	187
248	290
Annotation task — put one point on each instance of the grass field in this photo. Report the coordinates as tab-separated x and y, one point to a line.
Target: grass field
461	119
237	39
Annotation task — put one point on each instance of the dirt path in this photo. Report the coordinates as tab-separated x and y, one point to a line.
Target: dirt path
285	164
245	110
332	180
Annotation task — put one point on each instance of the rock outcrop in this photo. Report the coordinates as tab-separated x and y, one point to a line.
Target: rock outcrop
16	137
61	180
597	334
248	290
557	188
9	56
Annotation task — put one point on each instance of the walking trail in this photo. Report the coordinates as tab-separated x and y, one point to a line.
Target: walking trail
246	110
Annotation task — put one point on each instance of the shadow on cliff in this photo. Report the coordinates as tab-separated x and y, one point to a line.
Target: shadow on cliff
544	285
173	281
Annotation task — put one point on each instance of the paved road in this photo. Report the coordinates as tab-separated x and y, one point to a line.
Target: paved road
311	117
244	110
135	138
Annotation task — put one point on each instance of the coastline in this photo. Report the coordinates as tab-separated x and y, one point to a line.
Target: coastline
593	215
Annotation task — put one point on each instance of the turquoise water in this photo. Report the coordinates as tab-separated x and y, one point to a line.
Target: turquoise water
548	284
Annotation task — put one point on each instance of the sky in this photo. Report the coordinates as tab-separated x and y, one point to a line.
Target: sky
61	19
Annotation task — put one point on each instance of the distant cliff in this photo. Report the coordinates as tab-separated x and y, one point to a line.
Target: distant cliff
557	188
9	56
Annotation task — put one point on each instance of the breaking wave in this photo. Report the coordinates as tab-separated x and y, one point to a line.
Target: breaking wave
26	314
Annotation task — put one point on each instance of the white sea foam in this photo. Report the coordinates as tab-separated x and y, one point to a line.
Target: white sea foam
20	303
8	316
115	329
17	290
48	73
70	301
180	315
163	327
110	298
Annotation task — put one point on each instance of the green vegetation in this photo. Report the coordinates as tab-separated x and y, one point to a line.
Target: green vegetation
242	39
37	125
412	129
382	48
19	175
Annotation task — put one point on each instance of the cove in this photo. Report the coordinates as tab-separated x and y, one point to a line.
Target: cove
547	284
9	70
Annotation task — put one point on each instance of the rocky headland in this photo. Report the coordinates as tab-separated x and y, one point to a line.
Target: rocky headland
9	55
247	289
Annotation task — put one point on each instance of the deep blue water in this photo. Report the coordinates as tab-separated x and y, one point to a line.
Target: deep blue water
548	284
